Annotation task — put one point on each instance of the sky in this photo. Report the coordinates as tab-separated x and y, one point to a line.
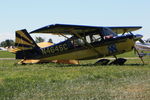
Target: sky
34	14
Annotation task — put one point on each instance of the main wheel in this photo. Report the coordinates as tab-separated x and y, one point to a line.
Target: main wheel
119	61
102	62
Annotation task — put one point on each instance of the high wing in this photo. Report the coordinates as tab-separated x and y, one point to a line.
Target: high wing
66	29
57	29
120	30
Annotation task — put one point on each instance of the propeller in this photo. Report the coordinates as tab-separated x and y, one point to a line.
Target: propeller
136	51
141	41
138	38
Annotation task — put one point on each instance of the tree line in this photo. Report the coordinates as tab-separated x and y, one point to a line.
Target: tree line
10	42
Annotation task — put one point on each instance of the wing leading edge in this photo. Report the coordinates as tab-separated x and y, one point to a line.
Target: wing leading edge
120	30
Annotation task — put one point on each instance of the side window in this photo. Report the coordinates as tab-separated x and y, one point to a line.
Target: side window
79	42
93	38
88	39
96	38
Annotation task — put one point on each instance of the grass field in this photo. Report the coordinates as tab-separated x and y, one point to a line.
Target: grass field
6	54
75	82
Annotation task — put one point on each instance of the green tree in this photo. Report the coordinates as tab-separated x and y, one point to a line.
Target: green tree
7	43
39	39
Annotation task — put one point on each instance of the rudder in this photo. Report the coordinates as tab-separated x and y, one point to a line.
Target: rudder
24	41
26	48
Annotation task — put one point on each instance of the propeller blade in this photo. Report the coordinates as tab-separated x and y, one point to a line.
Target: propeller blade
139	55
134	50
141	41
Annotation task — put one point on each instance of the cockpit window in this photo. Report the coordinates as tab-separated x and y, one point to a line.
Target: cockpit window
79	42
107	32
88	39
96	38
93	38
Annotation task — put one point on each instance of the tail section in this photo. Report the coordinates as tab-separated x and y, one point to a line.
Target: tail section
26	48
24	41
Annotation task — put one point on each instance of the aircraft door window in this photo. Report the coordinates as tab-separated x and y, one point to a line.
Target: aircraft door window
77	42
88	39
96	38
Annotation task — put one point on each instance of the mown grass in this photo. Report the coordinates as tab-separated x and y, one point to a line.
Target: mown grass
69	82
128	54
6	54
131	54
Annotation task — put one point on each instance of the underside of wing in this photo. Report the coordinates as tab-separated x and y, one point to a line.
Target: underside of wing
58	29
120	30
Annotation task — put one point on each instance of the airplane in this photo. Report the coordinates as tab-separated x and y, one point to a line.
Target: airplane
86	42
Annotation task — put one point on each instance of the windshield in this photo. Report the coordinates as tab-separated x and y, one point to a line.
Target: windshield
107	31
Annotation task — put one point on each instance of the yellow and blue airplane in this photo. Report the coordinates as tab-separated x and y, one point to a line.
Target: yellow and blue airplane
87	42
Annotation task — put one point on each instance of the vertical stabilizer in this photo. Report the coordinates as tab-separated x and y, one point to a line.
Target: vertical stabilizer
26	48
24	41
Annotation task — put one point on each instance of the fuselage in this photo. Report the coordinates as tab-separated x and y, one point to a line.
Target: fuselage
106	47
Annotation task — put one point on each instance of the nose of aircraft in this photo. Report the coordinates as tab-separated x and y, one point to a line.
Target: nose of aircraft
137	37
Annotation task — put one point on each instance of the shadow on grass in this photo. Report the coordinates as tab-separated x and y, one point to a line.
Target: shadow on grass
135	64
96	65
78	65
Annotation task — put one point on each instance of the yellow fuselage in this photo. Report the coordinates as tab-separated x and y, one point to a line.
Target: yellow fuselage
108	49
